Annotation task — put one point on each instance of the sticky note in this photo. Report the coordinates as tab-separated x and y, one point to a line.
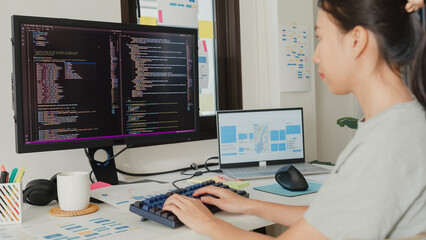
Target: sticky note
99	184
237	184
205	29
202	179
160	16
206	102
151	21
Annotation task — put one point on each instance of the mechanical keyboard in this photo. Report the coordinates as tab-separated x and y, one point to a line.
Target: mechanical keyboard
151	208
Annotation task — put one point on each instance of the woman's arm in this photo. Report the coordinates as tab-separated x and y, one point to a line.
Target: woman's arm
196	216
282	214
228	201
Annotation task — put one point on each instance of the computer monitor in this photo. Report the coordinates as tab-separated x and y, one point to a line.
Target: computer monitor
87	84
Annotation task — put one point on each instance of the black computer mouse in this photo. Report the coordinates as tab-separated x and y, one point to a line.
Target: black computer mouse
291	179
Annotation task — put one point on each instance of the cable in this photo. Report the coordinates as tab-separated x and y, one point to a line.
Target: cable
198	173
90	176
106	162
193	166
207	165
138	9
150	174
158	173
182	179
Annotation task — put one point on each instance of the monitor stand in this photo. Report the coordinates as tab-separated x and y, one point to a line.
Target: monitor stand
104	171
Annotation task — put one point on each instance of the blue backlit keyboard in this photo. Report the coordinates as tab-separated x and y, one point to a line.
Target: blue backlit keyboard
151	208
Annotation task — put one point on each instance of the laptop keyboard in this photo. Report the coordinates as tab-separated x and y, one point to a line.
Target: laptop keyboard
269	171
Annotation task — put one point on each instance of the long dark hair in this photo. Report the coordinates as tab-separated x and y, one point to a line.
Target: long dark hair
418	77
399	34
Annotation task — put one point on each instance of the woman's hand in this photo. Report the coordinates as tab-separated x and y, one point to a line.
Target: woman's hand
414	5
223	199
192	213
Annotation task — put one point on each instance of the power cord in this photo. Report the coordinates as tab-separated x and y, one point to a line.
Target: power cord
193	166
207	165
197	173
183	179
107	161
158	173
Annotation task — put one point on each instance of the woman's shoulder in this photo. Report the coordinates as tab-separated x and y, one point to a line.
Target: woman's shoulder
404	121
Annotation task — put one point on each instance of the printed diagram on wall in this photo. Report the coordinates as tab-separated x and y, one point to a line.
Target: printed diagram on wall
183	13
191	14
294	58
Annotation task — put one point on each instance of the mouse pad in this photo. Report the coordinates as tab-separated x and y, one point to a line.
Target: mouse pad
277	189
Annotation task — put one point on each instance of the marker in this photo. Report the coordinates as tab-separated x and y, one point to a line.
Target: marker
3	177
20	174
4	174
13	175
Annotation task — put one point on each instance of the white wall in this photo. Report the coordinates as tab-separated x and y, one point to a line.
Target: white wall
260	71
331	139
301	12
44	165
259	33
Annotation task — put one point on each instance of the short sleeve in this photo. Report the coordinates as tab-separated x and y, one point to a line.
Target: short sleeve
366	197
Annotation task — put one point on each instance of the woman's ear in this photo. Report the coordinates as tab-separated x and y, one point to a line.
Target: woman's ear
359	40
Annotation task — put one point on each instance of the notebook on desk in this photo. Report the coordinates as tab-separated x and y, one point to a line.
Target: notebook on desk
256	143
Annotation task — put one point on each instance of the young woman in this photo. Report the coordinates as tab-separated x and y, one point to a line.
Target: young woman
378	186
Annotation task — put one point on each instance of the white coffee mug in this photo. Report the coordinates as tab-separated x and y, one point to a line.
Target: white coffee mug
73	190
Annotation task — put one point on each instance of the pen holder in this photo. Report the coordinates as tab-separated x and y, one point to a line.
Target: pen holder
10	203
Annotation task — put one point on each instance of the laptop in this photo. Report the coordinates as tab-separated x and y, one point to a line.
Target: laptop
256	143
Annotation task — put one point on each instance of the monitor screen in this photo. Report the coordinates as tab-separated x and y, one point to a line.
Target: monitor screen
81	84
260	135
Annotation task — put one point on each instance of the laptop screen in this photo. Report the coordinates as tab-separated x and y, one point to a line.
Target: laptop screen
250	136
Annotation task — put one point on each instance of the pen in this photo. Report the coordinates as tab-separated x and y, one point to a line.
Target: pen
13	175
20	174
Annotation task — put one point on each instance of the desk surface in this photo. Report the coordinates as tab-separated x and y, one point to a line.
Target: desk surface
151	230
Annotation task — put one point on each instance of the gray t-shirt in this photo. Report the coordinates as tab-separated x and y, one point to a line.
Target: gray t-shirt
378	188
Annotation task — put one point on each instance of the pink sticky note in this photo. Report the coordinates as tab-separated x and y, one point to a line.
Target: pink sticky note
99	184
205	45
160	16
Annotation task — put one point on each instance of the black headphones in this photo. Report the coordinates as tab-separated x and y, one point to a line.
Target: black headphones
40	192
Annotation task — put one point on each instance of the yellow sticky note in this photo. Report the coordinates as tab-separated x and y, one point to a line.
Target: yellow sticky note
206	102
205	29
202	179
151	21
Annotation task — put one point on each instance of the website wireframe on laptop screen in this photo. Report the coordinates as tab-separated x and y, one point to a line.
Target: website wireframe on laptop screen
260	135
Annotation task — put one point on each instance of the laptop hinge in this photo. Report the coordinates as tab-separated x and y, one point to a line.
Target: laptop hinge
262	163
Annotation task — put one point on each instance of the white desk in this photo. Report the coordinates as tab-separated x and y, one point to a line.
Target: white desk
151	230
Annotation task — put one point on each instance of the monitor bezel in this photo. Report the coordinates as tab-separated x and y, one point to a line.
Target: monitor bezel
141	140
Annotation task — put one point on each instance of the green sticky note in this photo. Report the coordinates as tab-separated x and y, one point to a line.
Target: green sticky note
237	184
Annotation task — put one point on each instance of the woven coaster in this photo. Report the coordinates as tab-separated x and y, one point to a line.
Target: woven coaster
58	212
